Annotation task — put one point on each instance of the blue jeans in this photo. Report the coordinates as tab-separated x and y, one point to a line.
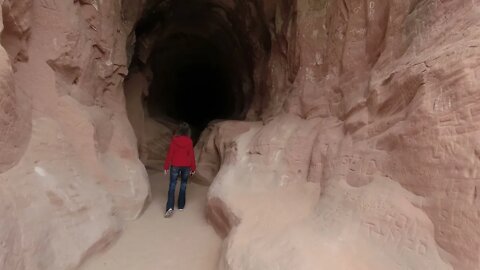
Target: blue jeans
174	173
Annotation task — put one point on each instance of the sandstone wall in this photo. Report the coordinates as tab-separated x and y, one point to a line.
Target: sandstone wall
70	169
367	156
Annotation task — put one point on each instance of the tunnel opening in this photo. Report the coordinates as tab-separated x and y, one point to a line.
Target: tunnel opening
194	81
192	61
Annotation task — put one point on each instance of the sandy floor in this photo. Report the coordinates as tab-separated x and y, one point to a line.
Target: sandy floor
184	241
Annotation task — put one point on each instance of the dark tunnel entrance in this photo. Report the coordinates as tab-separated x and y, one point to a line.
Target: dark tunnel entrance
200	58
193	81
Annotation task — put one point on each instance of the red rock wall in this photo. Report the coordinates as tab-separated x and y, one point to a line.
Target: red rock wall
16	106
378	98
70	169
365	158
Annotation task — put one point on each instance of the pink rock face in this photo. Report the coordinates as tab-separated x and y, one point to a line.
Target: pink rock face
215	145
153	134
361	151
70	169
385	120
15	113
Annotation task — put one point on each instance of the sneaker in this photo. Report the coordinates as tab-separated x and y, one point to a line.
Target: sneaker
180	209
169	213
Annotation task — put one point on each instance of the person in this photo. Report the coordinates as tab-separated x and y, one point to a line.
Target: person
180	161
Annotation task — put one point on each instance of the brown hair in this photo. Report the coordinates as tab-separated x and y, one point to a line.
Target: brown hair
183	130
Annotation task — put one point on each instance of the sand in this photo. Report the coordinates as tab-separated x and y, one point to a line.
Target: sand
183	241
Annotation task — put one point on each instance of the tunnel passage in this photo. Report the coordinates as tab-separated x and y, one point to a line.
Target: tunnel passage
193	81
200	57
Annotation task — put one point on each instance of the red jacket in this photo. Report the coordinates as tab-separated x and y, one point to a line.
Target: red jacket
180	153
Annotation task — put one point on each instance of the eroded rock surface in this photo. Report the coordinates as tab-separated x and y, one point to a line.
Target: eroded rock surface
360	150
70	169
375	101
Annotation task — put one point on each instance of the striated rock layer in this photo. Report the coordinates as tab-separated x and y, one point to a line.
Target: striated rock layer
359	151
367	156
70	170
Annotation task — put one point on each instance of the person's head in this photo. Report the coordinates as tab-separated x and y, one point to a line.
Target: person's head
183	130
